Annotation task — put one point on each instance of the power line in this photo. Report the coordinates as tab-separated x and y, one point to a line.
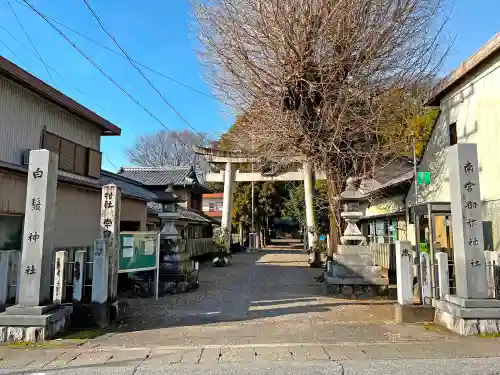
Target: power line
13	53
110	162
213	97
32	44
140	71
99	68
36	56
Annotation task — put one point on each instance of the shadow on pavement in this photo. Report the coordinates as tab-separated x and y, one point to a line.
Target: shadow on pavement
268	284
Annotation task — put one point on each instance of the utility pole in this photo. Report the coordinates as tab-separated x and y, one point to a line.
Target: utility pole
417	217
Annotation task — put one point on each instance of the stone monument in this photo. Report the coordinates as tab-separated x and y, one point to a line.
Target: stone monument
470	311
35	317
352	272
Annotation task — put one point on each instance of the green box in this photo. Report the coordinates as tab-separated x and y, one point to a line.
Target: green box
139	251
423	178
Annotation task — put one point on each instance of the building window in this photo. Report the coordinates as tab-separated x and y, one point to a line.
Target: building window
452	132
211	207
73	158
11	231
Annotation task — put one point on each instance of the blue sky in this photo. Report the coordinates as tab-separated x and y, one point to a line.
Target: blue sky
157	33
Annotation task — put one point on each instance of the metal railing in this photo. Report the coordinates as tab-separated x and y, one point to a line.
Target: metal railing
76	273
492	266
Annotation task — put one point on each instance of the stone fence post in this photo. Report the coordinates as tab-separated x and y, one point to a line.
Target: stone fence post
100	272
443	274
79	274
59	292
404	272
425	277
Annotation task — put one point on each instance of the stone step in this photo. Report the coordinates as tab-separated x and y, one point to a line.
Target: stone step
353	249
359	259
356	280
354	270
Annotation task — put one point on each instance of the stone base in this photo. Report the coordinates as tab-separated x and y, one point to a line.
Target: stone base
354	291
468	321
33	327
413	313
90	316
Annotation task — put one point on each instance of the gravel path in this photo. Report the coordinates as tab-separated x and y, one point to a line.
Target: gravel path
265	297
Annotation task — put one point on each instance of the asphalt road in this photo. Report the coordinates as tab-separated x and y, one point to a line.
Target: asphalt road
485	366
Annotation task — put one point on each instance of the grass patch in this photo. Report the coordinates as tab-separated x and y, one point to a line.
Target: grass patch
434	327
35	345
489	335
82	334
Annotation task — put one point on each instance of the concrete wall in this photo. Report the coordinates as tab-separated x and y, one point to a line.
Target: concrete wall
77	213
23	116
134	210
475	107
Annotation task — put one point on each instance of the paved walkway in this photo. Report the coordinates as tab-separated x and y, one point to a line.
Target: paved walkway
18	361
269	297
265	308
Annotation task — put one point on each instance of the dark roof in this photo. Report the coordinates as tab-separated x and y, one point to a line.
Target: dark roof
161	176
36	85
184	213
129	188
191	215
485	53
395	174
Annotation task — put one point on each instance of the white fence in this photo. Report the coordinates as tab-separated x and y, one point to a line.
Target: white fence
71	276
384	255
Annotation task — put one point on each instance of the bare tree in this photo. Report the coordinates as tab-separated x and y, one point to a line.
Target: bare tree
168	148
334	80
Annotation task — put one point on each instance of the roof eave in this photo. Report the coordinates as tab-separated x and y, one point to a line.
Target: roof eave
36	85
484	54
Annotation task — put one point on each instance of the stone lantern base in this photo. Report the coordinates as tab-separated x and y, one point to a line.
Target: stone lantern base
352	273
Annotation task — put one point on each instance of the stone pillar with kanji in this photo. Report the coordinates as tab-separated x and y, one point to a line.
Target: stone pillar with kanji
35	317
469	311
110	233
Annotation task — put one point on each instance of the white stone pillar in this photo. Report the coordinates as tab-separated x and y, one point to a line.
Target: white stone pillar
100	272
227	204
110	232
468	242
59	292
425	277
490	278
309	194
443	275
4	276
38	237
79	275
404	272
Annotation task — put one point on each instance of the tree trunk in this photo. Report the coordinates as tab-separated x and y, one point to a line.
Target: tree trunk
333	190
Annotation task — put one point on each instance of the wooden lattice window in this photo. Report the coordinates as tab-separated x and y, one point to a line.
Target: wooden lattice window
94	164
73	157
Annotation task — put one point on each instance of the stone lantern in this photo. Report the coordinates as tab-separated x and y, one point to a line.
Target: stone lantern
352	272
351	198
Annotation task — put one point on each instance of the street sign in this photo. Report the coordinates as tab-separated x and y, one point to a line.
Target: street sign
423	178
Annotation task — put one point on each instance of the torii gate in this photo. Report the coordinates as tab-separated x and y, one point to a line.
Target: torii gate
230	175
